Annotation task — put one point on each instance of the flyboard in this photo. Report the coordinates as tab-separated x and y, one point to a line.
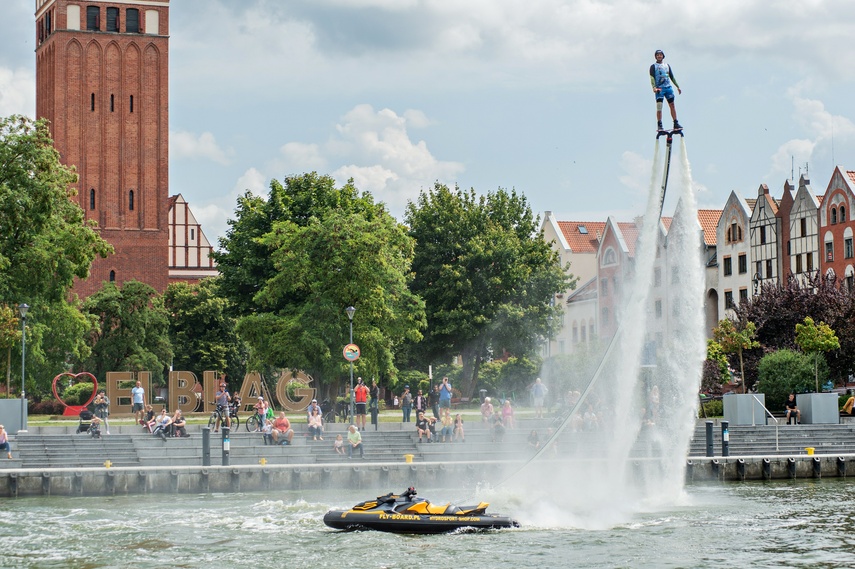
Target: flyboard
669	137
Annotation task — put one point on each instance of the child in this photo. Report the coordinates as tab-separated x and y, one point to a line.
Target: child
338	445
4	442
95	428
267	432
148	418
458	429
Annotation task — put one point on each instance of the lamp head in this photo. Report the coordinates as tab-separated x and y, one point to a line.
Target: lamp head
350	310
23	308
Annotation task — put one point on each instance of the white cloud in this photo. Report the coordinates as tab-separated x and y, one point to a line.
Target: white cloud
297	157
213	215
184	144
17	92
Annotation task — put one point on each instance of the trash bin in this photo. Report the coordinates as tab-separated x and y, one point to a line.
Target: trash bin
809	450
409	458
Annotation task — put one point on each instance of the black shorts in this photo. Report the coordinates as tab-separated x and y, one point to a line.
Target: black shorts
137	407
360	408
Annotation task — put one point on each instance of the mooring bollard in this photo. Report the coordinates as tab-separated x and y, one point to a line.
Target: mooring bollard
710	445
841	467
206	446
226	445
725	439
817	467
740	468
767	469
791	467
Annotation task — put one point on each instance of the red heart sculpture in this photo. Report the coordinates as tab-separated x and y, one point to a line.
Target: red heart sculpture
75	409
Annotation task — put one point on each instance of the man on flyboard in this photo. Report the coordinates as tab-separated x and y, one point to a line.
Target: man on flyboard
661	79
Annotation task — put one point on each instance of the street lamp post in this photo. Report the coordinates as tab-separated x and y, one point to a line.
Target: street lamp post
350	310
23	308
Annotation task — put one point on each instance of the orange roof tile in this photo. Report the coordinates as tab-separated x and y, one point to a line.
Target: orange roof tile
579	241
630	233
708	219
851	175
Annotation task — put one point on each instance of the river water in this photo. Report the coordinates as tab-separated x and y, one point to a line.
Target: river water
792	524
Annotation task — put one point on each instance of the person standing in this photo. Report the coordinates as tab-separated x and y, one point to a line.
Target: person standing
661	79
138	400
355	440
538	394
445	396
420	403
222	399
102	408
406	404
360	396
374	403
433	400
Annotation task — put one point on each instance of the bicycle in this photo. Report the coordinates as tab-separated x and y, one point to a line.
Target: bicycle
254	423
217	415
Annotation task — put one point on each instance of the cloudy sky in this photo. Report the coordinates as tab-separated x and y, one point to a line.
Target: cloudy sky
550	97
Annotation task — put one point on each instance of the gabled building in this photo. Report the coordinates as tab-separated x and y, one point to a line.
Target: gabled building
836	226
732	249
765	231
615	264
801	257
189	250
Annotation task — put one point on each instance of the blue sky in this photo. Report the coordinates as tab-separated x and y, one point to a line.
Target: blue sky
550	97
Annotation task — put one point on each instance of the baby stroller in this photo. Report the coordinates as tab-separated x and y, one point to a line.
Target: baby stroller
85	422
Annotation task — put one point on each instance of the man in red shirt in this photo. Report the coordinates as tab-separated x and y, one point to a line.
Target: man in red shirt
282	429
361	399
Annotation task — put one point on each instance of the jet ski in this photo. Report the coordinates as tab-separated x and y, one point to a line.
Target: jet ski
405	513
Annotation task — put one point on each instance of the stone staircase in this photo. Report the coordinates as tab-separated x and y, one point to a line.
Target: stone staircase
750	440
75	451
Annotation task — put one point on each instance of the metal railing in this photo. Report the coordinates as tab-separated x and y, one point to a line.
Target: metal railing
754	423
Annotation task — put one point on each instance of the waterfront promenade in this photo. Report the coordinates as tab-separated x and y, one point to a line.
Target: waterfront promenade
52	459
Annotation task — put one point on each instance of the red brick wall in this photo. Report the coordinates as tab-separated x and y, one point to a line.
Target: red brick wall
115	150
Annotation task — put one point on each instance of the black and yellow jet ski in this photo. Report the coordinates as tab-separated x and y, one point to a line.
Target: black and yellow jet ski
404	513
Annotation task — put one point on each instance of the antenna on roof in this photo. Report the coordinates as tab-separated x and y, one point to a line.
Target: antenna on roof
792	168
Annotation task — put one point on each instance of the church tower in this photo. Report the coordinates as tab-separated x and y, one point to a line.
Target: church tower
102	70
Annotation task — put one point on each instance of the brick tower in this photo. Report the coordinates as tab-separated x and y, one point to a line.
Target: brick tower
102	81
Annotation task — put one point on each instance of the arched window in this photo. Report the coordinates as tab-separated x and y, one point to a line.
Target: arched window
842	214
833	216
92	198
131	200
112	276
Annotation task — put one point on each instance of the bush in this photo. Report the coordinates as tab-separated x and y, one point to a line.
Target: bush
78	394
714	408
786	371
46	407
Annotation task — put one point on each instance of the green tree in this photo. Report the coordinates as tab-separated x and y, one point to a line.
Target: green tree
487	277
343	259
202	333
45	241
784	372
813	339
132	332
10	336
736	341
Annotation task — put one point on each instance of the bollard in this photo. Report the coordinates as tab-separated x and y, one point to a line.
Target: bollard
841	467
740	469
817	467
226	445
767	469
374	415
206	446
714	467
725	439
791	467
710	445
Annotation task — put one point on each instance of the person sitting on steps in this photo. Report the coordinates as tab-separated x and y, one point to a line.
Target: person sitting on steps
792	409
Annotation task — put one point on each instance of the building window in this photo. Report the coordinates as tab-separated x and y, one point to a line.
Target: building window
132	103
112	276
762	234
583	333
112	19
192	235
743	295
604	287
112	103
789	252
803	225
798	264
829	252
759	271
847	248
743	264
810	262
132	21
92	199
657	276
769	273
131	200
658	308
728	266
575	335
849	282
604	315
92	102
93	18
728	299
833	216
615	284
842	214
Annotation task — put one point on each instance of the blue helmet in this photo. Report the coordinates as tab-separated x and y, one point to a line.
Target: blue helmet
657	52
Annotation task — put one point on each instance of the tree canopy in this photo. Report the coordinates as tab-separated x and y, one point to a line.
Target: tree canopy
735	339
815	339
486	275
